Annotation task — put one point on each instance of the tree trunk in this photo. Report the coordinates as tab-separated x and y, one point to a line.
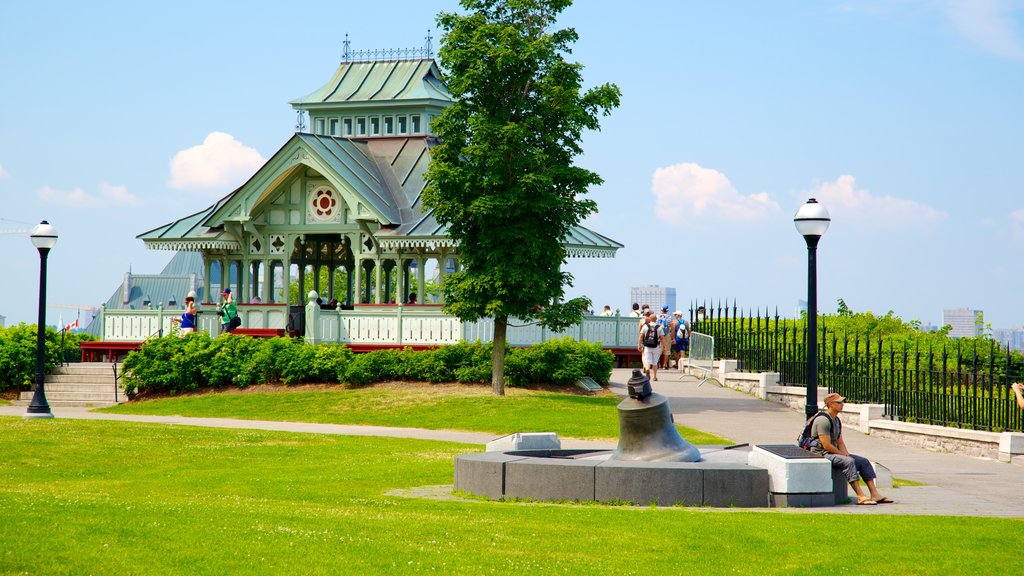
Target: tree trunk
498	356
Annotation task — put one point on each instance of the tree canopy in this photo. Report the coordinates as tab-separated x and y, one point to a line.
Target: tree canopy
502	178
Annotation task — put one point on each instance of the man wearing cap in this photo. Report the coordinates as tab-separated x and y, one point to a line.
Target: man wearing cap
667	324
829	432
681	333
228	312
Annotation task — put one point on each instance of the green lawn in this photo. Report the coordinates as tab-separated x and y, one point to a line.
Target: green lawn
471	408
91	497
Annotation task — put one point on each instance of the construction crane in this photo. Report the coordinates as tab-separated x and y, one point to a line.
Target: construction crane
91	309
16	232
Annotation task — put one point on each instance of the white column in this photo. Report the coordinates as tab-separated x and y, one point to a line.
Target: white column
357	298
378	275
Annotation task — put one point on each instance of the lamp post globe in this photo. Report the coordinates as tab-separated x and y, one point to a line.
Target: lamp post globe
44	237
811	222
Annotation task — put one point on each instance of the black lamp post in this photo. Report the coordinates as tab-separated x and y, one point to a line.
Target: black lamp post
44	237
812	221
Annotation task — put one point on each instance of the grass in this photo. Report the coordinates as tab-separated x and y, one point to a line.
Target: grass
437	407
103	498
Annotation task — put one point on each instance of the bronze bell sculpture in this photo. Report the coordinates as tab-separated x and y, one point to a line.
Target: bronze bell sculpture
646	429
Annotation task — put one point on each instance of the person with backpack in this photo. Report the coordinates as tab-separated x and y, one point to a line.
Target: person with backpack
823	435
666	321
649	345
682	338
229	319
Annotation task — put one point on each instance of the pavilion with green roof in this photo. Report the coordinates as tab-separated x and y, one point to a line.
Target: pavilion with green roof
344	198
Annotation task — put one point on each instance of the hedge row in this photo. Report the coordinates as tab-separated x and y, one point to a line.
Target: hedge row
171	364
18	353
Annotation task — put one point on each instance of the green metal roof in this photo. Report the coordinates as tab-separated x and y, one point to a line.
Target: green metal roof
377	82
191	228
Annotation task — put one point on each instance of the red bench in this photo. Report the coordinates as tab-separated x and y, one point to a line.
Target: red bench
259	332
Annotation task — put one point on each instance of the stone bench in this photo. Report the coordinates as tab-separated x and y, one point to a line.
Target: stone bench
796	477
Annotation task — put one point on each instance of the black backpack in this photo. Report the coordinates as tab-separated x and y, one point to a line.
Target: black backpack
804	439
651	339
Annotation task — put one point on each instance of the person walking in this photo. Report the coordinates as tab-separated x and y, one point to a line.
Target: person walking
681	333
649	345
666	321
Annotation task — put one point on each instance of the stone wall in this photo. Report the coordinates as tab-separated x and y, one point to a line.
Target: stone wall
869	419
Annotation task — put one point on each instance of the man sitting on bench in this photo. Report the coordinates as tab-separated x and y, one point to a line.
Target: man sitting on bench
829	432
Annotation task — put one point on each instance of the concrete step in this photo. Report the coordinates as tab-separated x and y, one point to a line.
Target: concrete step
81	386
86	368
80	378
76	396
67	404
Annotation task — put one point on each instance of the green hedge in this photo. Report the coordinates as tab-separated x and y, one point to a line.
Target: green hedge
18	353
171	364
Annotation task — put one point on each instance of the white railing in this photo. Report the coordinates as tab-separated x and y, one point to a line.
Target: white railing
138	325
386	324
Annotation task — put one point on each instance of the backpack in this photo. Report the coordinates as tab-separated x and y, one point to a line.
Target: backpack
682	333
651	339
805	440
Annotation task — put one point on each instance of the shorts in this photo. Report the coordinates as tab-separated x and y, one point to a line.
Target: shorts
651	355
681	345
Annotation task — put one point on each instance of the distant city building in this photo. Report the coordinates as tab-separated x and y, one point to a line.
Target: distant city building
965	322
1011	337
654	295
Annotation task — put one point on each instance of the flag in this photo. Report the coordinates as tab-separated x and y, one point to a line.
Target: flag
69	327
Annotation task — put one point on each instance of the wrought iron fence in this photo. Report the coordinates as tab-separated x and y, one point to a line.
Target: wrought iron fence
946	386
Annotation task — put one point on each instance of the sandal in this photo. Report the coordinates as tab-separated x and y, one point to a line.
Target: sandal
866	502
883	500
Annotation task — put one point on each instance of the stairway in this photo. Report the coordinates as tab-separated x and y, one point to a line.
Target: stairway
80	384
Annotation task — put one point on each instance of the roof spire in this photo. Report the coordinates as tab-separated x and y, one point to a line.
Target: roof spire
346	49
429	47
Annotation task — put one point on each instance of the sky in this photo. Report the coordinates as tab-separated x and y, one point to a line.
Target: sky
902	117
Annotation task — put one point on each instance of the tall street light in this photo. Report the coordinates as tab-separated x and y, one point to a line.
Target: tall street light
812	221
44	237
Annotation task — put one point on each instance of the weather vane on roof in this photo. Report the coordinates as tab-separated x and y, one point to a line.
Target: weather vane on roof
348	55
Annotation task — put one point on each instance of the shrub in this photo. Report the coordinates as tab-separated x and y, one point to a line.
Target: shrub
171	364
562	361
18	353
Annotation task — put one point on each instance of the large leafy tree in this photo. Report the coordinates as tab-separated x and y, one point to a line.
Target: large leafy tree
502	178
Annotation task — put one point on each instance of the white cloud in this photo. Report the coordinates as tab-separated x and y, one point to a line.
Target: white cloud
219	162
989	24
1017	216
108	196
688	189
3	173
843	199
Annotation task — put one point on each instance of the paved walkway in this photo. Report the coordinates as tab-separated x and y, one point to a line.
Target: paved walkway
953	485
